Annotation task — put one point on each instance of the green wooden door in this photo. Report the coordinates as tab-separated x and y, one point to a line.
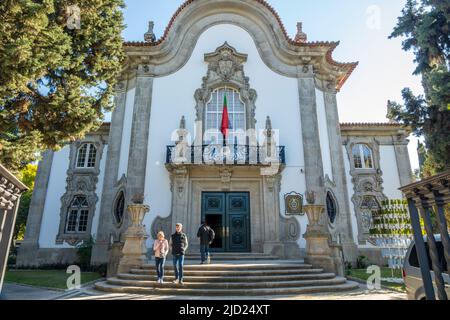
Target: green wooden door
228	214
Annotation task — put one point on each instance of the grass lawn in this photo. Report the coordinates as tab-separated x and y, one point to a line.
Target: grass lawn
385	273
46	278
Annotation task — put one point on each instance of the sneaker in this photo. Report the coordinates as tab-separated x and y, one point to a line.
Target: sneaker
176	281
181	282
161	281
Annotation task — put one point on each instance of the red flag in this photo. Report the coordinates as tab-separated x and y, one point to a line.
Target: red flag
225	119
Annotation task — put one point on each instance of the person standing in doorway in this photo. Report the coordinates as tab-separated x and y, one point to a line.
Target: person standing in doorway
206	235
161	248
179	243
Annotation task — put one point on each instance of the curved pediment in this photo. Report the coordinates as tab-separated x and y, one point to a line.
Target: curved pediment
278	51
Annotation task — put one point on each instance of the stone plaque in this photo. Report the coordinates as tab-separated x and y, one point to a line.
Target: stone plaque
293	203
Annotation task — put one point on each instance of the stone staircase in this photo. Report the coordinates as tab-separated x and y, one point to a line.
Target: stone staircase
260	277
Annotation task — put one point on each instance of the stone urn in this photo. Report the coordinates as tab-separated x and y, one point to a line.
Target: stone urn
134	252
318	251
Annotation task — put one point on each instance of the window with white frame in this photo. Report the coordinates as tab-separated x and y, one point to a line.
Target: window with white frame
78	215
362	157
86	156
236	113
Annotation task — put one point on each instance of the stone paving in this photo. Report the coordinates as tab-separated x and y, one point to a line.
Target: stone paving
13	291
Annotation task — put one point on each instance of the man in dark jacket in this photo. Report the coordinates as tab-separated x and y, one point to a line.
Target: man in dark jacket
179	243
206	235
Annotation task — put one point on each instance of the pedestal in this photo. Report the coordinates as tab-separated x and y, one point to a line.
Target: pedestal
134	252
318	251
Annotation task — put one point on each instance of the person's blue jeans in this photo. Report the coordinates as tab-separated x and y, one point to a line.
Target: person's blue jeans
178	261
204	252
160	262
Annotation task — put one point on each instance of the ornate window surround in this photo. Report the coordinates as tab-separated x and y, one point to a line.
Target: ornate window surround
366	182
80	182
119	193
225	69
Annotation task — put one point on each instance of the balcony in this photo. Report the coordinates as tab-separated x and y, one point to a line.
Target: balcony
238	155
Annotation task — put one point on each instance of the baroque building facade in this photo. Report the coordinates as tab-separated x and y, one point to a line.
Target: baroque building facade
164	142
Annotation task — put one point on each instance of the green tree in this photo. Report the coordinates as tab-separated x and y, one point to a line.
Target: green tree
56	79
27	176
425	27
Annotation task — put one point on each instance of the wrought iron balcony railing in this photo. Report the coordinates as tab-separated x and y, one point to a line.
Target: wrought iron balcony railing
231	155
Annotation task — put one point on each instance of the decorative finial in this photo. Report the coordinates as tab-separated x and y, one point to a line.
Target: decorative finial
301	36
149	36
183	123
268	124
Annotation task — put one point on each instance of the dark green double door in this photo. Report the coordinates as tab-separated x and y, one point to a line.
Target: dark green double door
228	214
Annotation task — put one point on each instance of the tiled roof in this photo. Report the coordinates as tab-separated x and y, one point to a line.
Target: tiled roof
371	124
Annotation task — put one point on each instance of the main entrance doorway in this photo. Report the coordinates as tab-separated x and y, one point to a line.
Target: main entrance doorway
228	214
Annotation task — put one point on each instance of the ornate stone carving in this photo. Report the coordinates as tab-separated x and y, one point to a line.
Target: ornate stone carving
178	179
161	224
134	250
290	229
225	177
225	68
367	186
150	36
300	36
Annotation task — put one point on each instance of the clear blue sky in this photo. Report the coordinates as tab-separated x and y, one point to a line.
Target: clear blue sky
362	26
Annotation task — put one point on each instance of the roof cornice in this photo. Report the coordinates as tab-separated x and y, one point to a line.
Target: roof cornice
290	52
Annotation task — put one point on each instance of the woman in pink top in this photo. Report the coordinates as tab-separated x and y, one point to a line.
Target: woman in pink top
161	248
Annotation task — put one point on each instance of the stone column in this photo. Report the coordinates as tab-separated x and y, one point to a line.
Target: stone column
403	160
28	252
339	176
100	249
134	252
137	161
179	176
310	132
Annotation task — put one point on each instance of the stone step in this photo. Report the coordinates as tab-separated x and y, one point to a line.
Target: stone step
180	290
227	286
233	267
234	256
206	273
217	279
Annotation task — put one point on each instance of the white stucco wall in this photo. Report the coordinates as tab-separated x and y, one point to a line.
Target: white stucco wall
350	193
56	189
173	97
323	134
99	190
391	180
126	135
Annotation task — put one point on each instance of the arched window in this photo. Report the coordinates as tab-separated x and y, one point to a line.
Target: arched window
119	207
78	215
213	116
362	157
86	157
331	207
